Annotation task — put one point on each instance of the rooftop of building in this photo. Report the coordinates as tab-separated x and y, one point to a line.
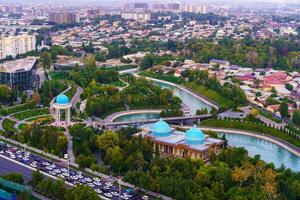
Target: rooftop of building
20	65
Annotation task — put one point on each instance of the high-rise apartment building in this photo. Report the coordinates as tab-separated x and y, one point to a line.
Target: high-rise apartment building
138	16
200	9
64	17
16	45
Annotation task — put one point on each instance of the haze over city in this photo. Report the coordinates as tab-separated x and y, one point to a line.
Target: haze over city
148	100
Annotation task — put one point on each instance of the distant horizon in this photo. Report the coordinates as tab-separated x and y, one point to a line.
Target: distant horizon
119	2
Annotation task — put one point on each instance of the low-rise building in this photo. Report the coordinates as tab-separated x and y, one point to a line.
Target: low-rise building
19	73
192	143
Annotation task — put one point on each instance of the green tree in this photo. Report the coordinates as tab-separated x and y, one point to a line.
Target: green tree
36	178
46	59
296	117
107	140
284	110
5	94
81	192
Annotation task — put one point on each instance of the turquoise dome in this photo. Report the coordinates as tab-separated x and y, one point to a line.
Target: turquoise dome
194	136
161	129
62	99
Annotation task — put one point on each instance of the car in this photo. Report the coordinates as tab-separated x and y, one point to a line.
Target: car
108	184
109	195
87	179
74	177
115	193
91	185
97	183
61	176
124	197
52	173
1	152
145	197
46	163
57	171
96	179
98	191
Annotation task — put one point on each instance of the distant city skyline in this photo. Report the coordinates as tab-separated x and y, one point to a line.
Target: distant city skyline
146	1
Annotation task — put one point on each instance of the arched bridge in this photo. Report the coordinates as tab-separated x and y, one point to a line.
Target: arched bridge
174	120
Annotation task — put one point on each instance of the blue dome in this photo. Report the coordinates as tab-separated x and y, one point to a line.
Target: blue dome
62	99
194	136
161	129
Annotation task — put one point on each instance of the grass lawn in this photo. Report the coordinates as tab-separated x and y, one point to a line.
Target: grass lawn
169	78
8	125
121	67
269	116
14	109
211	94
249	126
31	113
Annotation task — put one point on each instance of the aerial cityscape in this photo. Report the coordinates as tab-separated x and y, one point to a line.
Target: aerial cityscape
150	100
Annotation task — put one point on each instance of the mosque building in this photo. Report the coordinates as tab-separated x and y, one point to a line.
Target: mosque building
170	142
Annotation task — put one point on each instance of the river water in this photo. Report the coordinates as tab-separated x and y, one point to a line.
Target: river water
268	151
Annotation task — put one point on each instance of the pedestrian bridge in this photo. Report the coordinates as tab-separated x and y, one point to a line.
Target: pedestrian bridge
176	120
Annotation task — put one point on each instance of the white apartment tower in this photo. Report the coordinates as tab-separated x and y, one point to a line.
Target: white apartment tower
16	45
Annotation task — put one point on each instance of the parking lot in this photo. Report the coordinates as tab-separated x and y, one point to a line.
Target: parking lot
74	177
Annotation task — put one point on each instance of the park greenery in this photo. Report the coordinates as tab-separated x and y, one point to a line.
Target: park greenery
278	53
230	175
46	138
139	94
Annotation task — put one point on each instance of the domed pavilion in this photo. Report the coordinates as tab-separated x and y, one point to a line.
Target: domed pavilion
62	103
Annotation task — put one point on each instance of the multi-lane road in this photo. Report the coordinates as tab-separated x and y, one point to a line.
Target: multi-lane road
13	159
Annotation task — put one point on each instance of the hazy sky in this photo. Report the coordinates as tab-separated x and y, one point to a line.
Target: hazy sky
106	2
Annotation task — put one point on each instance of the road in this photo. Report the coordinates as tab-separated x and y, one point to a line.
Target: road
76	98
8	166
41	73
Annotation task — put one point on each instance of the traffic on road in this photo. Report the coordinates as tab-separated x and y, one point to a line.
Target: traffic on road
102	187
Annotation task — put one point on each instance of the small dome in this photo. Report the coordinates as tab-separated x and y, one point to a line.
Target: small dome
161	129
62	99
194	136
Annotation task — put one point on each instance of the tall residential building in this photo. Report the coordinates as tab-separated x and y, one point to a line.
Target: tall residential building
173	7
138	16
143	6
200	9
16	45
64	17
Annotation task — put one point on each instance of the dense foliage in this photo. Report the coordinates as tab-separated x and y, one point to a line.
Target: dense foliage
227	95
278	53
139	94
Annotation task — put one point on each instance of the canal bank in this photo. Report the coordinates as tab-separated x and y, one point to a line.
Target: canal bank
271	149
188	91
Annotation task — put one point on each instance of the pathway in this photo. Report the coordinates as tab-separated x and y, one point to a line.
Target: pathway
267	121
70	145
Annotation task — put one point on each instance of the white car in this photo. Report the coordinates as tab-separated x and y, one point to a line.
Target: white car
96	179
124	197
109	195
97	183
108	184
98	191
145	197
115	193
12	156
52	173
57	171
91	185
1	152
74	177
46	163
61	176
34	165
87	179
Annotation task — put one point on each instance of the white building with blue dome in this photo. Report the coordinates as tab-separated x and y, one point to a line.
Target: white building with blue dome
169	142
62	103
